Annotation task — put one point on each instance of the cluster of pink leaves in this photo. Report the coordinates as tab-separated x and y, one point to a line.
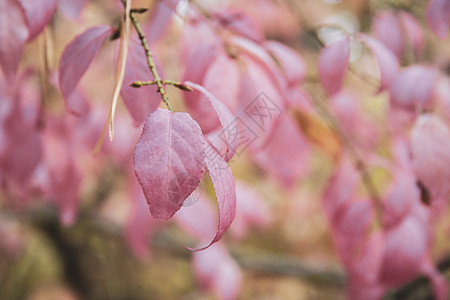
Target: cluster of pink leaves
399	249
243	87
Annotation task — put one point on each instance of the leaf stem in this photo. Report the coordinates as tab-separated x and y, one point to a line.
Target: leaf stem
150	61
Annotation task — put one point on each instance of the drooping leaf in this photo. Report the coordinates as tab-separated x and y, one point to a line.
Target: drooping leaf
13	34
291	63
333	63
413	32
169	161
438	16
223	183
413	87
387	62
405	250
388	31
78	55
430	139
38	13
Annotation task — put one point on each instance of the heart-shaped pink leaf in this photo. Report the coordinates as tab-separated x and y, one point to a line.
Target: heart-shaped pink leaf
38	13
333	63
169	161
77	57
223	182
13	34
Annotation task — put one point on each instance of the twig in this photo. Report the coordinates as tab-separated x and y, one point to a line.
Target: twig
150	61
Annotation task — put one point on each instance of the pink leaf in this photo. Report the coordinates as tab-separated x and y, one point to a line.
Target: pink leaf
430	139
217	271
198	219
413	31
286	154
292	64
78	55
240	23
223	183
333	63
225	117
38	13
169	161
140	102
71	8
438	16
160	19
222	79
405	250
140	223
13	34
413	87
388	31
387	62
63	174
251	211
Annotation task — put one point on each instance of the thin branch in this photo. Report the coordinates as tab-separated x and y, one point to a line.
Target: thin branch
150	60
181	86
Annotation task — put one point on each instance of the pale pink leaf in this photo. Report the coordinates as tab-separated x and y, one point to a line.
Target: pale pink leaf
404	252
333	63
430	141
223	183
218	272
199	218
71	8
140	102
438	16
251	211
78	55
240	23
387	62
160	19
285	156
140	224
222	80
388	31
225	117
291	63
413	87
13	34
413	31
169	161
38	13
